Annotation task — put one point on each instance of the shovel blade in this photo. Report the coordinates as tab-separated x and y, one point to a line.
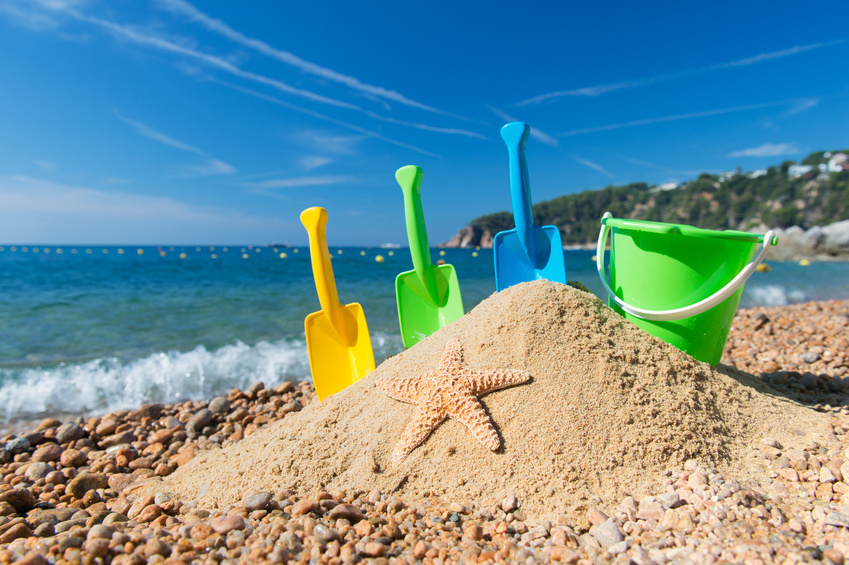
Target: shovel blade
418	315
512	265
334	363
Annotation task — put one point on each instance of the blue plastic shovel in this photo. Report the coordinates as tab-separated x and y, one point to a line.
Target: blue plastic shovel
528	252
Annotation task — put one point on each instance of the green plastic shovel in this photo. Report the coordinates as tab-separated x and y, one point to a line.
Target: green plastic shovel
428	296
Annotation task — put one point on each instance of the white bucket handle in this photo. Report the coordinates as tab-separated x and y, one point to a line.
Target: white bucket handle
686	311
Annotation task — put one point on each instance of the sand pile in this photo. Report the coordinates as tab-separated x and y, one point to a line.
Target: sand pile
607	410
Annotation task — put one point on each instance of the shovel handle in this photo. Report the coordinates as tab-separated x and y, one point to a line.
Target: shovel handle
315	222
410	180
515	136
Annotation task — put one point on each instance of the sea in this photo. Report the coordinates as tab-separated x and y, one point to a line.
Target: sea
91	329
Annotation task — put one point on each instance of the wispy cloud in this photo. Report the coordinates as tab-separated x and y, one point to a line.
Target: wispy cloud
160	43
270	187
328	141
210	167
301	182
188	10
310	162
610	87
802	106
536	133
28	15
594	166
767	150
673	118
150	133
352	127
44	165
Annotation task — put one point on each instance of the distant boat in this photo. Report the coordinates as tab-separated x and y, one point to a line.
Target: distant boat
272	243
390	246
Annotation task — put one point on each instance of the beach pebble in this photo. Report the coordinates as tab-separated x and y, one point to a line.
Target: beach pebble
32	559
156	546
347	512
19	530
510	503
200	420
20	499
85	482
607	534
117	439
303	507
324	535
374	549
69	432
149	513
650	510
697	479
257	501
668	499
44	530
596	517
106	427
162	498
38	470
219	405
100	531
119	481
837	519
114	518
18	445
201	531
47	453
73	458
97	548
226	524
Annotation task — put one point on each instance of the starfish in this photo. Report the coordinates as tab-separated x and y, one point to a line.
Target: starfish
450	390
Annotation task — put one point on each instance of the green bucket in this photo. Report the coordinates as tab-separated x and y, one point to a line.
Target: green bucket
679	283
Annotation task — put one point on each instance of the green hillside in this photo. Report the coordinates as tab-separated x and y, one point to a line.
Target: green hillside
774	198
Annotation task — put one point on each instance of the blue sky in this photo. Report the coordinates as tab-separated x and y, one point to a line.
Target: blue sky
169	121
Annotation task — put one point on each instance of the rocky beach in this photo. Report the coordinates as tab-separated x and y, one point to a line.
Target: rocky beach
113	488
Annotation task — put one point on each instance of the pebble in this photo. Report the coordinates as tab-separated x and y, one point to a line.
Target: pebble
226	524
257	501
20	499
200	420
347	512
85	482
219	405
47	453
607	534
17	445
510	503
69	432
100	531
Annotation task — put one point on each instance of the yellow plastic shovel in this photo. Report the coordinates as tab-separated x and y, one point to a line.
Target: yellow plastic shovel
338	341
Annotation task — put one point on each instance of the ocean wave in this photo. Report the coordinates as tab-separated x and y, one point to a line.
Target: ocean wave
104	385
770	295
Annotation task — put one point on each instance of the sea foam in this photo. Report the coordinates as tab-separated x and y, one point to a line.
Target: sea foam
770	295
104	385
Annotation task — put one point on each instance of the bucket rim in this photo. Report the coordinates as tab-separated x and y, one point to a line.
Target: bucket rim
682	229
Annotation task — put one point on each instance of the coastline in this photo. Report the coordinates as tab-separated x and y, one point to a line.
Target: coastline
90	472
819	243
